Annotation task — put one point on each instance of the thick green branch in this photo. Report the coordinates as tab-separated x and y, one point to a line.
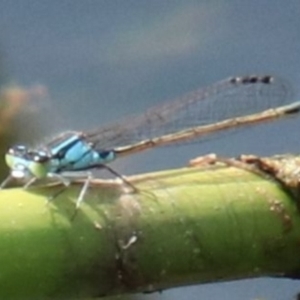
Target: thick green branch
182	227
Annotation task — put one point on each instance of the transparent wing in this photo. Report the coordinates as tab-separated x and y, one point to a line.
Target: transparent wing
230	98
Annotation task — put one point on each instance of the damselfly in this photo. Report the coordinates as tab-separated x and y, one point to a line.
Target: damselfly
228	104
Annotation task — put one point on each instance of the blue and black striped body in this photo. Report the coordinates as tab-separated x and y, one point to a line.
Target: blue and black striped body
72	152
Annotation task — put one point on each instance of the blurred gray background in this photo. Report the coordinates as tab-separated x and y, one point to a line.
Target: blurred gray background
99	61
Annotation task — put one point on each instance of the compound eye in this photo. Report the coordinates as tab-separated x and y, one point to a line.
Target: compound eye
17	150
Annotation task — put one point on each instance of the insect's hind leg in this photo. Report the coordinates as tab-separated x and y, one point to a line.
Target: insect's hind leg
118	175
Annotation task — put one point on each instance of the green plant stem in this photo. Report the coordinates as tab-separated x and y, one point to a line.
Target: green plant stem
181	227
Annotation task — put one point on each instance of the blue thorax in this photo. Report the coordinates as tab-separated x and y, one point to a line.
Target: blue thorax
75	153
